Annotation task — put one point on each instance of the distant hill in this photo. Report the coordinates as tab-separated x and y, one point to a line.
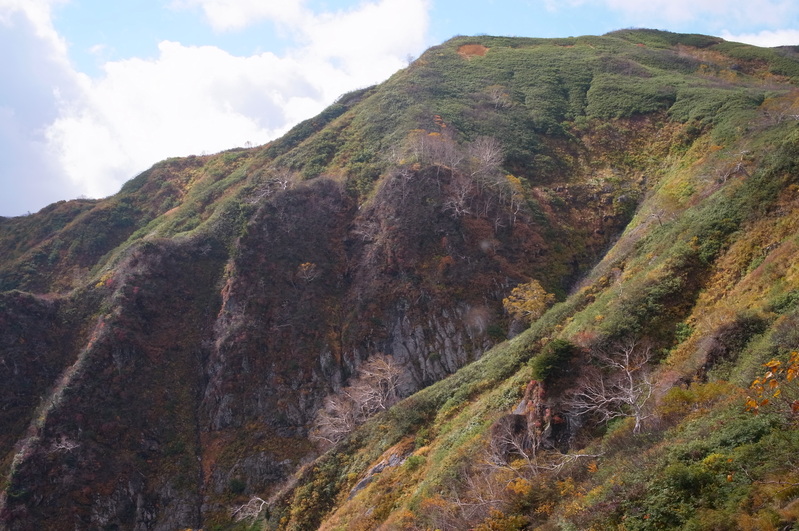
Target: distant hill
522	284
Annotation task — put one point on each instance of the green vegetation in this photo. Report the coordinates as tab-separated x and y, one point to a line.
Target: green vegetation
551	364
663	477
189	329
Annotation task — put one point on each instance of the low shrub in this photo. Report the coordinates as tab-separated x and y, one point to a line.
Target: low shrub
553	360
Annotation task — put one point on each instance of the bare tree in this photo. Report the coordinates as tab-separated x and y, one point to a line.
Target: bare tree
510	441
487	155
336	419
449	153
460	193
282	178
482	492
401	179
525	435
521	448
514	197
276	180
419	146
617	384
375	389
63	444
781	109
249	510
435	148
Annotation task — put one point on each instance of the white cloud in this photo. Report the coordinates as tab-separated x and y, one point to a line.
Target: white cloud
227	15
369	31
765	38
189	99
388	28
670	10
33	73
38	13
712	13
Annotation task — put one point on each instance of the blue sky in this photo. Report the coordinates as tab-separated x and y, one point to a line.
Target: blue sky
96	91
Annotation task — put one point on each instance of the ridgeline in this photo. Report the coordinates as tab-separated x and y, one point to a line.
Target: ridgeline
522	284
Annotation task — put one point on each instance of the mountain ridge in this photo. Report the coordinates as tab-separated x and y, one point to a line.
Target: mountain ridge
193	325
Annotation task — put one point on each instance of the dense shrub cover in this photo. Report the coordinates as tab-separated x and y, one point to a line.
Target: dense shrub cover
169	353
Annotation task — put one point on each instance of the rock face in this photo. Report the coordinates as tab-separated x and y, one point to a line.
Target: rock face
392	461
173	372
196	382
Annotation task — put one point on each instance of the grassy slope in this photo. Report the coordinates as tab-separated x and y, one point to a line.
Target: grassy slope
706	270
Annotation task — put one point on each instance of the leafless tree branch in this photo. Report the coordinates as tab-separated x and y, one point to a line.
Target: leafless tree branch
617	385
249	510
373	390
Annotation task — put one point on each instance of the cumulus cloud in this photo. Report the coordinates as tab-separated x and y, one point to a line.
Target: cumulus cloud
98	132
372	31
718	13
767	38
187	100
672	10
226	15
33	75
38	15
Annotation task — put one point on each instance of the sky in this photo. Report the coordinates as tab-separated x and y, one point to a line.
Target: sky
94	92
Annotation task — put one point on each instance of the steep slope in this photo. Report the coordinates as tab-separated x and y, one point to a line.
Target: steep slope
169	347
712	290
702	287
